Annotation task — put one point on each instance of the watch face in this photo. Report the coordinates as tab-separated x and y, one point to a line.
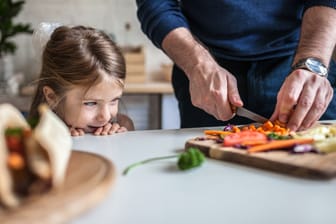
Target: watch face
316	66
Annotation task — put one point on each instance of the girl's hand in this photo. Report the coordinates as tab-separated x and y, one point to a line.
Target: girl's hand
109	129
76	131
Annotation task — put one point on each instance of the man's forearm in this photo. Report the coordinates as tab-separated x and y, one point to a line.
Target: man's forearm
318	34
184	49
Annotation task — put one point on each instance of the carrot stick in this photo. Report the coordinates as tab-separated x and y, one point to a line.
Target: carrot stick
279	144
255	142
216	132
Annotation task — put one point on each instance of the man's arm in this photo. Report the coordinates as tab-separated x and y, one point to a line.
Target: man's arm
212	88
185	50
305	96
318	34
159	17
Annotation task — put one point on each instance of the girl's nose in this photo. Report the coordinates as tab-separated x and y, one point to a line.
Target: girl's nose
104	114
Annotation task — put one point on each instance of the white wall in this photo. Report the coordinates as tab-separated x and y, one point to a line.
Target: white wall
110	16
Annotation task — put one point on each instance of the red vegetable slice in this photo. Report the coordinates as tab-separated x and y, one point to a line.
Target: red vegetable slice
14	143
243	136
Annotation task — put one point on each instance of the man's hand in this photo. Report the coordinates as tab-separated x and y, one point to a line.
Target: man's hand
305	96
302	99
212	88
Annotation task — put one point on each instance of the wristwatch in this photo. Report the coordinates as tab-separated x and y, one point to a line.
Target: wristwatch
312	64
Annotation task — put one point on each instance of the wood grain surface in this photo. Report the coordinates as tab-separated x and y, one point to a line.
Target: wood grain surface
88	180
308	165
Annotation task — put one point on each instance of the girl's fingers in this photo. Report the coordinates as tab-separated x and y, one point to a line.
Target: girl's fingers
98	131
76	131
122	129
114	128
81	131
109	129
106	129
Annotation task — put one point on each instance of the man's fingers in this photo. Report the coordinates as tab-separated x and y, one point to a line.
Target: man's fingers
233	93
214	90
288	97
302	100
303	106
319	105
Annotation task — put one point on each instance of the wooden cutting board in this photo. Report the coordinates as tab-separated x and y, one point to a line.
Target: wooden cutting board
308	165
89	178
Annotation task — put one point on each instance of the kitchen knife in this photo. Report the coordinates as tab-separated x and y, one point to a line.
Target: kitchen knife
243	112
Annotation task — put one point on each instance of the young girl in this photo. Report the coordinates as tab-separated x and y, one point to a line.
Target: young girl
82	80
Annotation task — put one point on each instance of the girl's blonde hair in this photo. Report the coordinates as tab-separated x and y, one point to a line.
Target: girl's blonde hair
77	56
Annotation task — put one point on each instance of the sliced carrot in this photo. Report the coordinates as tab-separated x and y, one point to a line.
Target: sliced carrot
216	132
252	127
279	144
255	142
235	129
268	125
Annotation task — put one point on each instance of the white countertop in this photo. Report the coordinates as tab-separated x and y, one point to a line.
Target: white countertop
218	192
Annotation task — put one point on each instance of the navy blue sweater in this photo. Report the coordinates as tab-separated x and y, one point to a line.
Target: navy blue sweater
231	29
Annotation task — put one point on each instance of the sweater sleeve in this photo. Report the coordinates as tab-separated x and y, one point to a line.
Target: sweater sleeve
159	17
328	3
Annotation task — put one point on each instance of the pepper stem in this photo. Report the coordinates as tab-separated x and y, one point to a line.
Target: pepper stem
147	161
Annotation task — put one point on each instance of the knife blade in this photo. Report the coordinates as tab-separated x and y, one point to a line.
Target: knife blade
243	112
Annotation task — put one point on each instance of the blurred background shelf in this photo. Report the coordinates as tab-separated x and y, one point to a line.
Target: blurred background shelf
151	87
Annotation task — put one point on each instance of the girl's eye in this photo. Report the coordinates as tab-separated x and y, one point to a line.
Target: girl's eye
90	103
115	101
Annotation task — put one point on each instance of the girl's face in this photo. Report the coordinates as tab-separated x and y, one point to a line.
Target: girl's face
92	108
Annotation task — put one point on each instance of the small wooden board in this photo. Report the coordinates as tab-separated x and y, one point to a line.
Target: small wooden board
308	165
88	180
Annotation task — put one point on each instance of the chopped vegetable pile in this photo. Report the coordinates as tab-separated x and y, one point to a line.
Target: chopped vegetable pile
189	159
274	135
